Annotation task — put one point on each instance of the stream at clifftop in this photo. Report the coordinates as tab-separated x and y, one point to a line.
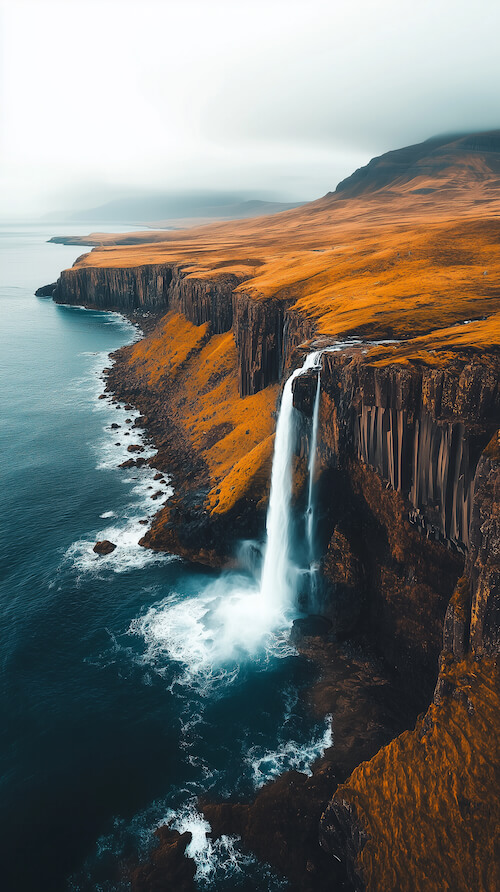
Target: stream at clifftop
115	716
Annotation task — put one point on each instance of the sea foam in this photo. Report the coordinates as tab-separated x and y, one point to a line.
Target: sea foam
289	755
126	528
211	635
220	860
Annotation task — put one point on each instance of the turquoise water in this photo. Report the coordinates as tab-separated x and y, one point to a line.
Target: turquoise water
126	692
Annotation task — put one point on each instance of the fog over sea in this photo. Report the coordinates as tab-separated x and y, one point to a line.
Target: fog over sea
127	689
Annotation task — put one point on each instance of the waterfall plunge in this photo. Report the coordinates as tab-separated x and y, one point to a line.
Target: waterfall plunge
279	572
234	615
312	461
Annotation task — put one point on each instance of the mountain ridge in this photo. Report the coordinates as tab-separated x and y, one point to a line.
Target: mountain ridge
431	157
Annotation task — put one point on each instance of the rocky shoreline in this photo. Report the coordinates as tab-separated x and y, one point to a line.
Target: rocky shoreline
348	688
417	557
406	484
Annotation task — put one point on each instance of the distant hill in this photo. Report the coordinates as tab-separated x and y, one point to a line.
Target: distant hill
440	162
160	209
443	177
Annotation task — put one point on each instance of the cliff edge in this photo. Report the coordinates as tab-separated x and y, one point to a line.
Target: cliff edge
401	268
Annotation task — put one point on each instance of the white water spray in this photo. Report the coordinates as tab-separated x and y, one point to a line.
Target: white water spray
279	572
312	461
234	614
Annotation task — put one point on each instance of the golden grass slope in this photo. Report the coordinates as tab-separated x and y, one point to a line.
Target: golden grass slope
426	799
233	436
416	266
390	264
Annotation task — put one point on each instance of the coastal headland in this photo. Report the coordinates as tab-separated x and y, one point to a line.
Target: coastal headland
401	264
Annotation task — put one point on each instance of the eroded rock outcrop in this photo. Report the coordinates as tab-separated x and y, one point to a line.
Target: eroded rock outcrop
204	300
126	289
258	333
434	788
422	429
168	868
397	454
152	287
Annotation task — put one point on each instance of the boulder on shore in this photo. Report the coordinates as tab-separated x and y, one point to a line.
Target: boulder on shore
104	547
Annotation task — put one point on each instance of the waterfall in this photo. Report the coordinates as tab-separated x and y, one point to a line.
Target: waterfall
279	572
312	461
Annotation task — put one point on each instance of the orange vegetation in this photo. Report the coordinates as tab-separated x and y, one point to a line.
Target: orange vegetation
233	436
416	260
385	263
426	799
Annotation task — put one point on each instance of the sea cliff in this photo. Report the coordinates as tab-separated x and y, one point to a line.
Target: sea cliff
406	486
401	480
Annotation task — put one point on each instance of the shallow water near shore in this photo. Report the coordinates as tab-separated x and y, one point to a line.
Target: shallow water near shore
127	688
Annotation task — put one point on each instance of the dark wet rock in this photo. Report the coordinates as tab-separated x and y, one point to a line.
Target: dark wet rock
309	627
128	421
104	547
484	556
135	447
167	869
304	392
343	583
133	463
421	429
281	824
158	494
158	476
46	290
102	396
115	426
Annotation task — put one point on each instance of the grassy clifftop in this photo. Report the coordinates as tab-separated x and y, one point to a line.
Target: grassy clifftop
417	257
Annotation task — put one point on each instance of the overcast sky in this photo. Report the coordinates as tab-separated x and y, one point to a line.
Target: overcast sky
280	98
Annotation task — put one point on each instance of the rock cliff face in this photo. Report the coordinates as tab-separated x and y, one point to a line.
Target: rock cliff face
204	300
432	789
265	332
258	334
407	493
421	429
398	449
484	556
153	287
126	289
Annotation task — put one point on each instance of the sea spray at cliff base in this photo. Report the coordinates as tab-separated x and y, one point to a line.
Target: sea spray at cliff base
237	615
